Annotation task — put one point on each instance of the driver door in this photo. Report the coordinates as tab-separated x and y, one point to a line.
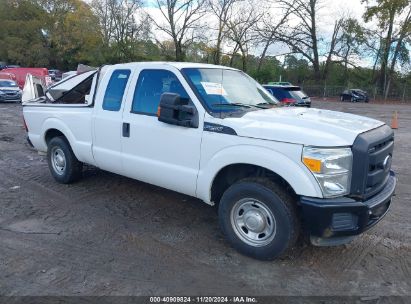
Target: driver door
155	152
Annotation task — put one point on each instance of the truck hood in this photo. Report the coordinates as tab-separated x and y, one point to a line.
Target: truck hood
315	127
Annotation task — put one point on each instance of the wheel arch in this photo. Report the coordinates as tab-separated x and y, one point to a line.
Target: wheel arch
232	173
54	127
233	164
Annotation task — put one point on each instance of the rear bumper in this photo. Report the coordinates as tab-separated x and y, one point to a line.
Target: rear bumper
334	221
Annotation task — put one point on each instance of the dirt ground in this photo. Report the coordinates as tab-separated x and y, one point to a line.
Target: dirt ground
110	235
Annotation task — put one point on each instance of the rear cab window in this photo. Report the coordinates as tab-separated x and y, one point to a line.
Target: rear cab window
280	93
297	92
113	96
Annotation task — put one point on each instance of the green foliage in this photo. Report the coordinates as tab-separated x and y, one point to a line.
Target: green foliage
22	35
63	33
271	70
74	36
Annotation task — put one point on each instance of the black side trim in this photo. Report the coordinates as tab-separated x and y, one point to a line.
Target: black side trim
211	127
96	86
29	142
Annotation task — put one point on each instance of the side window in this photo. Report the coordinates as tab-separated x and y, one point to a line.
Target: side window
150	85
115	90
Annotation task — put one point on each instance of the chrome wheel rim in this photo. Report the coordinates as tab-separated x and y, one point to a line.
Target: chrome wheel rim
253	222
58	160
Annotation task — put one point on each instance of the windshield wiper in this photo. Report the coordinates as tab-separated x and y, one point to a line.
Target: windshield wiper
263	104
235	104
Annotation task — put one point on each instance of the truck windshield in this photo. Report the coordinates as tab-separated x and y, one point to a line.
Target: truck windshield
224	90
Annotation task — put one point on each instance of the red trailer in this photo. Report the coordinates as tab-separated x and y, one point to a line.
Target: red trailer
21	74
7	76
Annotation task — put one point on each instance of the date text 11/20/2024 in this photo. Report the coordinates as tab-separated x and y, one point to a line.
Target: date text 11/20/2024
239	299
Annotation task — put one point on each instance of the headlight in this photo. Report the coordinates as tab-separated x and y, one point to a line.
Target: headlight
331	167
2	93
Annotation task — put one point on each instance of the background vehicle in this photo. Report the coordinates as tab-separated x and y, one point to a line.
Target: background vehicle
214	133
289	95
354	95
9	91
21	74
68	74
56	75
280	83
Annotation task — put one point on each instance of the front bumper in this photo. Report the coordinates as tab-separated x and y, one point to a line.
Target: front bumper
10	98
334	221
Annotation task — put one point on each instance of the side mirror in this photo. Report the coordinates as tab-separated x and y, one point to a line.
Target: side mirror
176	111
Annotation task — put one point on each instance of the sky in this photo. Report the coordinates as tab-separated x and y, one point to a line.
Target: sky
330	11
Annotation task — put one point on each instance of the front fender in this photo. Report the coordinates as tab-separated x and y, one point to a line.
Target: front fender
295	173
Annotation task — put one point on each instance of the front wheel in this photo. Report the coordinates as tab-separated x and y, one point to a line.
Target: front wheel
62	162
259	218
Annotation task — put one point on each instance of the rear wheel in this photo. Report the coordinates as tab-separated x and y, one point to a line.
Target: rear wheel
63	164
259	218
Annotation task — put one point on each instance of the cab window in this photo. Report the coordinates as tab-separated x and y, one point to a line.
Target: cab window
115	90
151	84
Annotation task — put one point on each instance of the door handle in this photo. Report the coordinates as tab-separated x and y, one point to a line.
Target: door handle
126	129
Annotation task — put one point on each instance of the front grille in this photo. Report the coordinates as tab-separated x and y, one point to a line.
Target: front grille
11	93
372	154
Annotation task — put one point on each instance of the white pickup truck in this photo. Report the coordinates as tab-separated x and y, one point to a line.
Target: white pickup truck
214	133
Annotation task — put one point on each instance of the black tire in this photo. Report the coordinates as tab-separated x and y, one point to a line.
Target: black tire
72	169
282	207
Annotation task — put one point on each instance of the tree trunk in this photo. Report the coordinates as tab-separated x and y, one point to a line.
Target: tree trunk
262	57
233	54
337	27
387	45
397	50
217	53
179	51
316	59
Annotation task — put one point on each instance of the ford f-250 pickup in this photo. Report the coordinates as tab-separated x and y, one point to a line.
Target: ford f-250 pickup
214	133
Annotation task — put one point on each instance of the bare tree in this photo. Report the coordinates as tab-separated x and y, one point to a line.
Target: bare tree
271	27
222	9
403	33
389	13
102	10
240	30
302	38
181	21
119	23
335	39
353	43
